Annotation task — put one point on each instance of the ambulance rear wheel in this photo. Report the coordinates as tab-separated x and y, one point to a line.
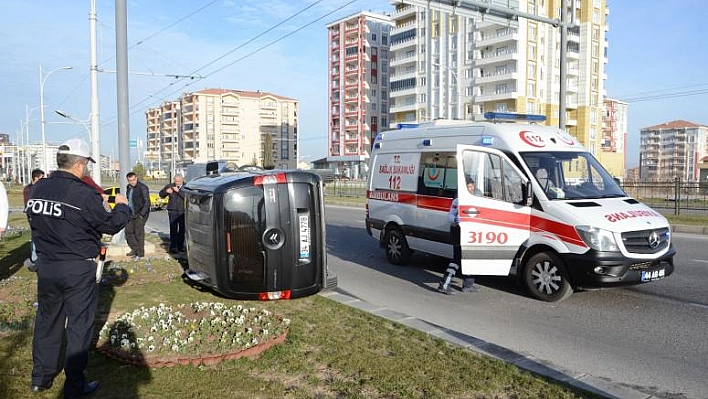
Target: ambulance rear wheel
397	251
546	279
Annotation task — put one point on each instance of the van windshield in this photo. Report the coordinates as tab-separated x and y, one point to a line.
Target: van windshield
571	175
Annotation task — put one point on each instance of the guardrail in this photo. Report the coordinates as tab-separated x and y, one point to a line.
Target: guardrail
677	195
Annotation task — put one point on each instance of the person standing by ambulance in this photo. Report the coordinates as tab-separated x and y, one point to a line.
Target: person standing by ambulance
452	268
68	219
139	201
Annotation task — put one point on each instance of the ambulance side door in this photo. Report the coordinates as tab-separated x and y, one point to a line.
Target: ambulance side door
495	218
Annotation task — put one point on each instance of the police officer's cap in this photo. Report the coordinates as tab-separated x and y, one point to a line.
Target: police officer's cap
76	147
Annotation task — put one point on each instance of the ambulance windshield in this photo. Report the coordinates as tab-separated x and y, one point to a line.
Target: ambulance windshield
571	175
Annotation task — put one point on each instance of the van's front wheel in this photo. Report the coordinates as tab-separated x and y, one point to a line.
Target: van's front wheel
397	251
546	279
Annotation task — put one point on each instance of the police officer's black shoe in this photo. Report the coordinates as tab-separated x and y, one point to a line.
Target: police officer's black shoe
40	388
131	253
90	388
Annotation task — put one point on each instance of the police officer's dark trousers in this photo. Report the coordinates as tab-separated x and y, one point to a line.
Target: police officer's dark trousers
68	296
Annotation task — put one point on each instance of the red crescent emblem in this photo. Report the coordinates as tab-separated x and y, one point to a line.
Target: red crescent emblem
435	176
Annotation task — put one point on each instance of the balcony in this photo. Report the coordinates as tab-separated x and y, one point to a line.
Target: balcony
494	77
498	58
407	43
404	92
403	75
509	95
402	12
403	59
404	107
403	27
492	39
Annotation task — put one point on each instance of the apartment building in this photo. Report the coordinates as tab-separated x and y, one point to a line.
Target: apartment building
672	150
614	136
244	127
448	63
357	90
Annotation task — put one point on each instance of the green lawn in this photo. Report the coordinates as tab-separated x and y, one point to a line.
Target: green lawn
331	351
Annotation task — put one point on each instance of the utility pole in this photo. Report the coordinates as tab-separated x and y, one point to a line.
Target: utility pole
95	143
122	88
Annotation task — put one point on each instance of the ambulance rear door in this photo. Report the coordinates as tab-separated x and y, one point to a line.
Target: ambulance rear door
494	218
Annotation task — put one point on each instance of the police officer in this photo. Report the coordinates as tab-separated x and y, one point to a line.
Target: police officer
68	218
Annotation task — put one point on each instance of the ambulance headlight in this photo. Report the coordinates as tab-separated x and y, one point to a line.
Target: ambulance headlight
598	239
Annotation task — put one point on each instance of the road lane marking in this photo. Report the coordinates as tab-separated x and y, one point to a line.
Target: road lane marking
701	261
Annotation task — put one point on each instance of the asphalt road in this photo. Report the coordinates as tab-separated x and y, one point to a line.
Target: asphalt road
651	338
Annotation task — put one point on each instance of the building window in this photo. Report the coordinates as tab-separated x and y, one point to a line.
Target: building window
373	37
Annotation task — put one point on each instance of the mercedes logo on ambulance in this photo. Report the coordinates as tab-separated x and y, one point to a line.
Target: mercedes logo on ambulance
654	240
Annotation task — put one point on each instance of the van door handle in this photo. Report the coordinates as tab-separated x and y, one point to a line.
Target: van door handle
471	211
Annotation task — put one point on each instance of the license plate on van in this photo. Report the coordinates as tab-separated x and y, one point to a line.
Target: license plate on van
653	275
304	222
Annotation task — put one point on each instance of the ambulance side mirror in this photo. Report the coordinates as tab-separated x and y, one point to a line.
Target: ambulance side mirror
527	193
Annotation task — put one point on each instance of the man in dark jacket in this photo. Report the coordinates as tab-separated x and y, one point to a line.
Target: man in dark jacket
175	212
68	219
139	202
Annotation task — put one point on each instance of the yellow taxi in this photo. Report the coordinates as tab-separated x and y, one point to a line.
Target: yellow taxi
156	203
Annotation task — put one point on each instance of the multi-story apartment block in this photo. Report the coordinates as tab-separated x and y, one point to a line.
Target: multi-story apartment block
672	150
220	124
446	63
614	137
358	89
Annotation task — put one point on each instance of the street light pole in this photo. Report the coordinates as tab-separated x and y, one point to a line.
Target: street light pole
42	79
93	116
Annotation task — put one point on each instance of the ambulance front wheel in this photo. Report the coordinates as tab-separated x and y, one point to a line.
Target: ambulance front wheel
546	279
397	251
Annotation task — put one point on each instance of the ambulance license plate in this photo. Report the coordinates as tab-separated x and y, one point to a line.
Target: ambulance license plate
653	275
304	222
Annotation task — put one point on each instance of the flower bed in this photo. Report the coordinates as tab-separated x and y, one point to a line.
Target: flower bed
197	333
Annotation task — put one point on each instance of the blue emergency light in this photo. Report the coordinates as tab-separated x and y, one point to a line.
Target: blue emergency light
510	116
487	140
406	125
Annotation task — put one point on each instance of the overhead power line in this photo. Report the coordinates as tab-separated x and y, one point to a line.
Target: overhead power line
151	97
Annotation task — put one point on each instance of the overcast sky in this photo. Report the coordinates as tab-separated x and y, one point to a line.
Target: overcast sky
656	50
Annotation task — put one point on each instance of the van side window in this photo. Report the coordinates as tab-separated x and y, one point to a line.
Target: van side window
438	174
495	176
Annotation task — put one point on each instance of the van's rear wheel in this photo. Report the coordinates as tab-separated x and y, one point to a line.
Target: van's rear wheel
397	251
546	279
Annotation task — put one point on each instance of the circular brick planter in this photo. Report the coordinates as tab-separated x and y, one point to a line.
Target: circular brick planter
196	361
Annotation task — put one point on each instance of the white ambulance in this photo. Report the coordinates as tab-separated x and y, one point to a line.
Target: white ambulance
544	209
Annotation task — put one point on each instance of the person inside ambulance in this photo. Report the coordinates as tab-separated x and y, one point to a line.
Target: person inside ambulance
547	184
472	188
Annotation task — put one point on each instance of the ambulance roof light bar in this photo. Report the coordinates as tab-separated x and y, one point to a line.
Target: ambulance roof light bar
510	116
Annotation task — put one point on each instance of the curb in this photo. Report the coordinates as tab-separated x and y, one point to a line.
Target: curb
586	382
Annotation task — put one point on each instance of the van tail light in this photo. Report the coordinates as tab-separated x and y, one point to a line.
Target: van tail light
274	296
270	179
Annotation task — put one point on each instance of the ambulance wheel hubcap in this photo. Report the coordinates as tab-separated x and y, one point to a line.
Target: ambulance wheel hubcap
546	277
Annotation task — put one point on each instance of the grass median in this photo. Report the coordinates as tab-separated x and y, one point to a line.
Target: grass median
331	351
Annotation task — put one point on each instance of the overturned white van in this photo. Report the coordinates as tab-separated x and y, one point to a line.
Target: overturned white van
546	210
